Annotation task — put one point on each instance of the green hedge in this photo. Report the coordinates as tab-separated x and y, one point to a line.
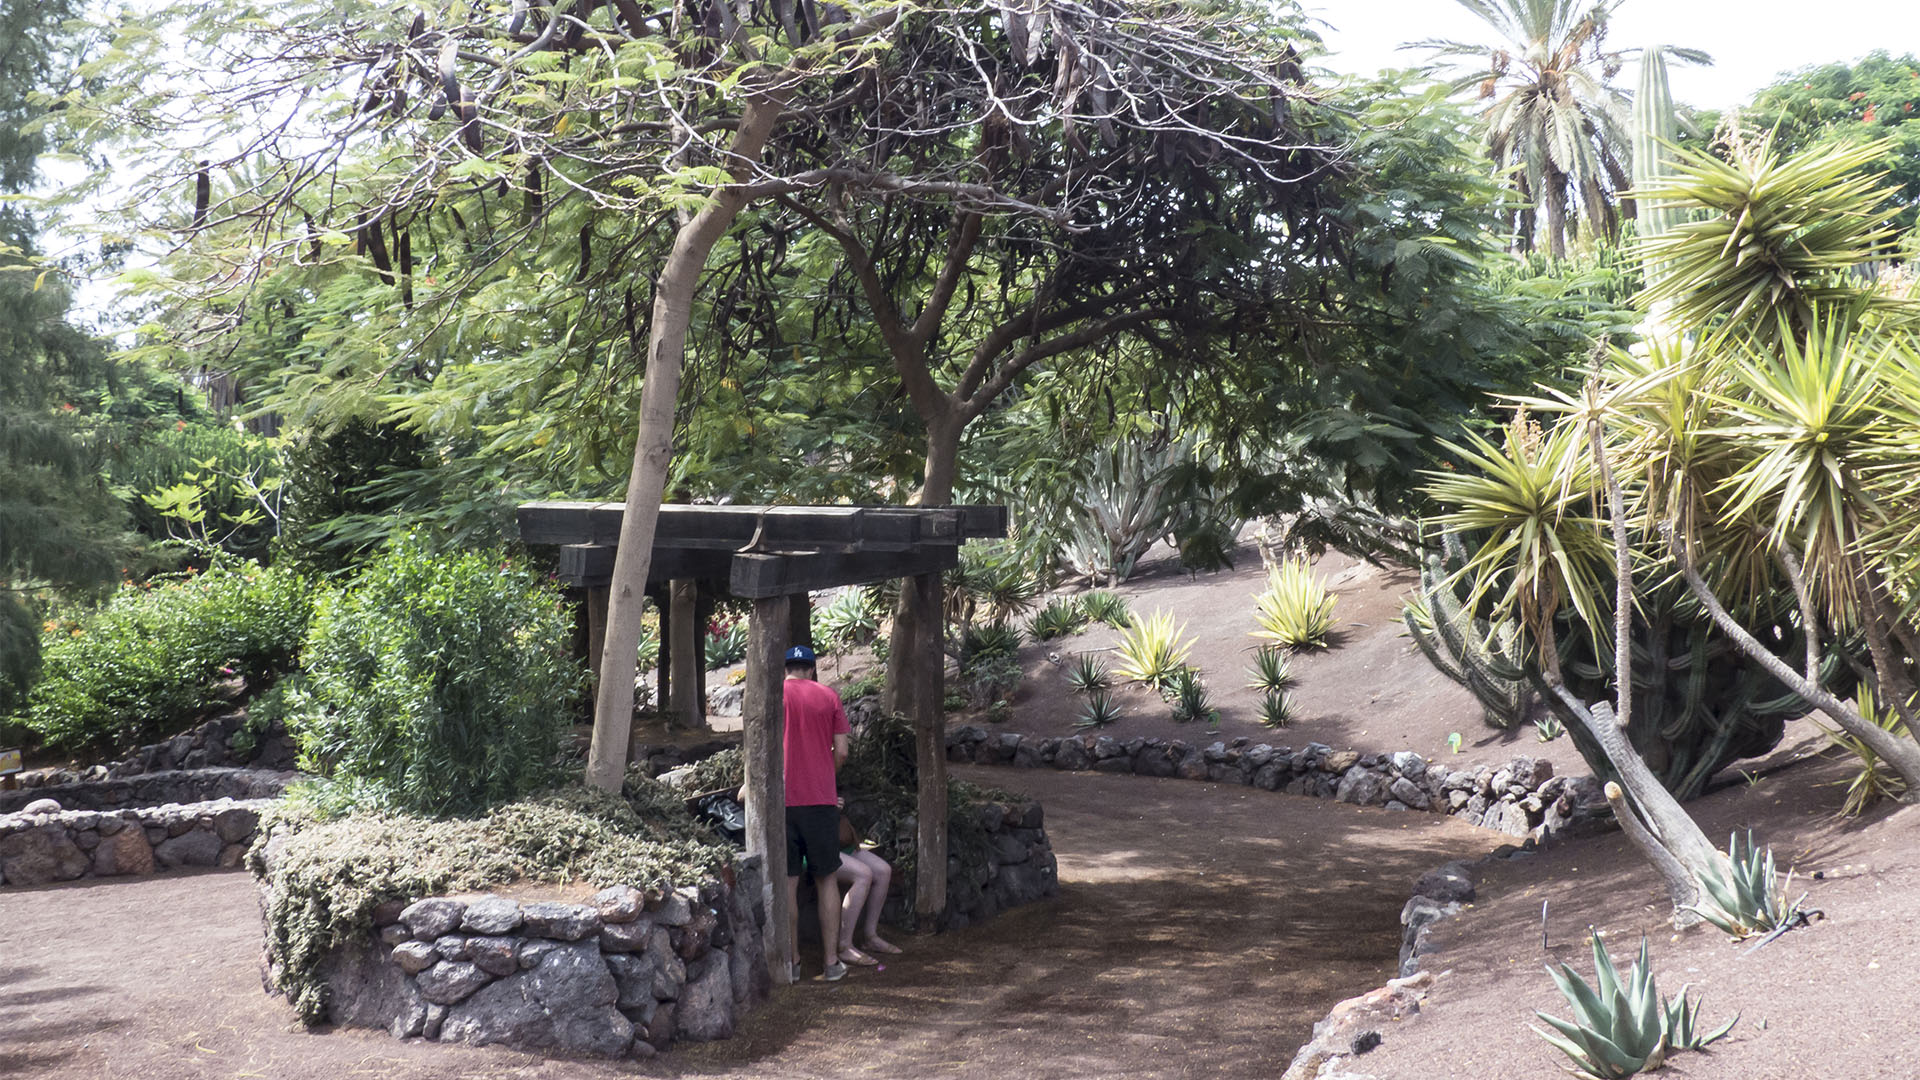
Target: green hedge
440	681
146	665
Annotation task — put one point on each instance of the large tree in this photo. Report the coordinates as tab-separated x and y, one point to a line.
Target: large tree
1555	123
1876	98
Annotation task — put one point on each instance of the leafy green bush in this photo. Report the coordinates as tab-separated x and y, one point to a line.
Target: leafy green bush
205	482
441	680
145	665
1296	610
324	872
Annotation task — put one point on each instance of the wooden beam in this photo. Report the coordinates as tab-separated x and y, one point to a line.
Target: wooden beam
847	528
790	573
683	621
591	565
763	723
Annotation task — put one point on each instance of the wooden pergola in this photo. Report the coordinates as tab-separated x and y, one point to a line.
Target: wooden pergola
773	555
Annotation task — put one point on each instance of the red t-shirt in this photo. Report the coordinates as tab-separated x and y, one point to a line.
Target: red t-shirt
814	717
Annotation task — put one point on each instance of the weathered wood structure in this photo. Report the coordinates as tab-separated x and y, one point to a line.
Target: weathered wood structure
775	556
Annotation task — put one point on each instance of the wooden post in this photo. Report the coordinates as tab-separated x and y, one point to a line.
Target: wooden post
763	724
596	629
928	697
663	664
702	616
686	634
800	620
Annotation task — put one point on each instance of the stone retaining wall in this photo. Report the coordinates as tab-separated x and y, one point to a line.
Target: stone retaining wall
1521	798
224	740
623	975
153	789
36	849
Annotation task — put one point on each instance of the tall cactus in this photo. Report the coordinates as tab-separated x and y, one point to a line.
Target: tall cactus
1479	655
1655	128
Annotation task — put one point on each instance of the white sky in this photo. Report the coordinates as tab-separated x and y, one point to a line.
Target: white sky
1751	41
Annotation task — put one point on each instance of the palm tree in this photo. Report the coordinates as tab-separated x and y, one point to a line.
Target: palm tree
1555	125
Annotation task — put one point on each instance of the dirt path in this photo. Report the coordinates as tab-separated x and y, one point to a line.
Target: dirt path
1200	931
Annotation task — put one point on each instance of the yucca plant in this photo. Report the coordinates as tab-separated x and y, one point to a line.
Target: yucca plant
1153	650
990	581
1101	711
1746	897
1190	698
1272	670
1087	674
1619	1029
1108	608
990	641
1276	709
1874	782
1058	619
1295	610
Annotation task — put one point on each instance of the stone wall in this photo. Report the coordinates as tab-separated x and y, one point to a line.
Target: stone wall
153	789
222	741
625	974
39	848
1521	798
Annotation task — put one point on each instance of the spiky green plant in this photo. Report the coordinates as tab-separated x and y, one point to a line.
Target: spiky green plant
1272	669
1620	1028
1101	711
1276	709
1058	619
1190	698
1154	650
1125	504
1873	782
1087	673
851	618
1108	608
1295	610
980	644
1747	897
1548	728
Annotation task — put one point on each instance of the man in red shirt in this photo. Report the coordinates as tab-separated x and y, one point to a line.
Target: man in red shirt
816	745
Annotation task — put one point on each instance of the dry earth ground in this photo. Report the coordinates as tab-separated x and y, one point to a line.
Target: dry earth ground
1200	931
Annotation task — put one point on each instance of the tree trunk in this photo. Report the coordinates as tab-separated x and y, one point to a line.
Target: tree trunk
936	489
763	755
1556	213
653	449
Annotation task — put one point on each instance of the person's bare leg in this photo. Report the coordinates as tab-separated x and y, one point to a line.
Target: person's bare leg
793	916
856	879
882	875
829	903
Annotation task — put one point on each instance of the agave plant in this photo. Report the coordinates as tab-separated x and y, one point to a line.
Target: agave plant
1296	609
1276	709
1747	897
850	618
990	641
726	643
1108	608
1153	650
1548	728
1086	674
1190	698
1101	711
1620	1028
1272	670
1058	619
1124	506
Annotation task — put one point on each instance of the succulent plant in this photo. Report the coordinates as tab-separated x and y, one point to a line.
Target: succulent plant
1620	1028
1101	711
1153	650
1272	670
1748	897
1190	698
1295	610
1086	674
1276	709
1058	619
1108	608
1482	656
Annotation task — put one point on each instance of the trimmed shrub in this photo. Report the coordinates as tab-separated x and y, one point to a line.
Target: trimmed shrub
146	665
442	682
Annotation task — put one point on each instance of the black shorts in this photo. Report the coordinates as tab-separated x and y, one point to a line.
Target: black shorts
813	832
